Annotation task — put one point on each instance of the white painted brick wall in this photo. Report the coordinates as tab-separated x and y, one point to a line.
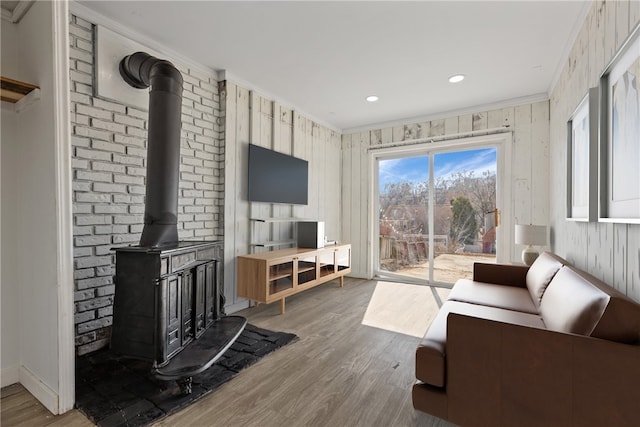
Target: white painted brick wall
109	152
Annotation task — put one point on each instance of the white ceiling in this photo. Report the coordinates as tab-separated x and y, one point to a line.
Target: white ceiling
324	58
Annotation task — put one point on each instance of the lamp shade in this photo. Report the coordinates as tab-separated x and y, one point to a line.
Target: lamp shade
531	234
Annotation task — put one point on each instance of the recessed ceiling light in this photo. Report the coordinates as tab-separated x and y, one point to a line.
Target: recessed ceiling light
456	78
372	98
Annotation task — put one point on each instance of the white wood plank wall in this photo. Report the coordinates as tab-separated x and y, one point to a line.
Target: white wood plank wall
609	251
252	118
530	165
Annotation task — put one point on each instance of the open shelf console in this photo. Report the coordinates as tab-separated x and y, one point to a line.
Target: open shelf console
272	276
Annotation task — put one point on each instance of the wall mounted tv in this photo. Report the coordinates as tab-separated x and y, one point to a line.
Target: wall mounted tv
277	178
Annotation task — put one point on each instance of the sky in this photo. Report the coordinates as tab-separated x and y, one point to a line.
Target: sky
416	169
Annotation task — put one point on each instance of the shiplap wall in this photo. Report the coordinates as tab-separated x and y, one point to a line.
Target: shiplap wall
251	118
609	251
530	168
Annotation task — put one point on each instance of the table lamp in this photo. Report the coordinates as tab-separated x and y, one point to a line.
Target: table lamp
530	235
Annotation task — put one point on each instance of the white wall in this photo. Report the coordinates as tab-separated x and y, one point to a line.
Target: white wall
8	283
9	358
609	251
251	118
530	168
29	214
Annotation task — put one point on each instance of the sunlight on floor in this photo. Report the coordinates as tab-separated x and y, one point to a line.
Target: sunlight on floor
400	307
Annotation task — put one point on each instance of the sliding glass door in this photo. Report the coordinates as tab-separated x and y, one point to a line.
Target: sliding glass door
403	215
437	211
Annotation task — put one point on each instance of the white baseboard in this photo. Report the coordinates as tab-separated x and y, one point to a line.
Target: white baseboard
9	376
39	390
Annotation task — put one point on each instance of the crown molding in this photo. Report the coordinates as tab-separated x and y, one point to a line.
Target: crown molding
15	15
226	75
7	15
571	41
530	99
98	19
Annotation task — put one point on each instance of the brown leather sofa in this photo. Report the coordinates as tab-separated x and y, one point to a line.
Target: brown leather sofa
547	345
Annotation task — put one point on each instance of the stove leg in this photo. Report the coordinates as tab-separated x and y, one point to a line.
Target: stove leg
185	385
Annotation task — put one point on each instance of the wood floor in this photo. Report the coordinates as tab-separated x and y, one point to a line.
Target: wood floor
339	373
19	408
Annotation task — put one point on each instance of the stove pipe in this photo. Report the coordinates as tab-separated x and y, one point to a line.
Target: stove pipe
141	71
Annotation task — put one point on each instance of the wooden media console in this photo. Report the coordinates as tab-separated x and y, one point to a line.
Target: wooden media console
272	276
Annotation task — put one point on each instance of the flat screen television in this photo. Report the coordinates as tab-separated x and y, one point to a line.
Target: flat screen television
276	177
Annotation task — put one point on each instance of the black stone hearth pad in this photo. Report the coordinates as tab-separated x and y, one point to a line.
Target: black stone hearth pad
115	391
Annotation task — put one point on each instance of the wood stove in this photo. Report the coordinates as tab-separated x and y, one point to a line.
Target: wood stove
168	299
168	305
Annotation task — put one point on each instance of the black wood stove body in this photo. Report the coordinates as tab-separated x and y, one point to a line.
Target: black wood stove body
168	305
169	308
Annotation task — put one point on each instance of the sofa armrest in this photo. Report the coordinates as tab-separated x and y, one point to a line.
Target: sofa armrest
505	374
501	274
